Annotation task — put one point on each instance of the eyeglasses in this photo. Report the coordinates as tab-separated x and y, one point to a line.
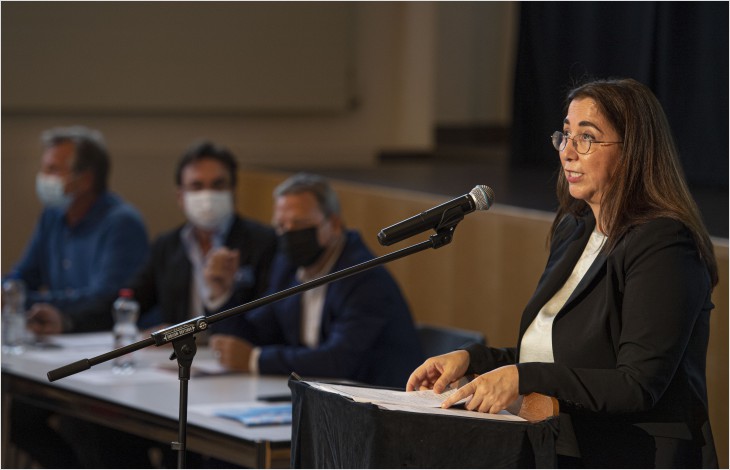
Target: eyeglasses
581	143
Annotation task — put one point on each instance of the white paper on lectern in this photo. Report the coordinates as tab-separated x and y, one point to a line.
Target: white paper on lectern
425	398
423	401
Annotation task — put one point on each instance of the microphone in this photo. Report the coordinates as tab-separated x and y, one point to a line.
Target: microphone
480	198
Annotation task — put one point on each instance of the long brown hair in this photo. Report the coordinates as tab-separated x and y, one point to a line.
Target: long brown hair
648	181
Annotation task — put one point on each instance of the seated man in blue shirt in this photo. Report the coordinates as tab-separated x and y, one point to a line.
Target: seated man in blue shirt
356	328
86	245
87	242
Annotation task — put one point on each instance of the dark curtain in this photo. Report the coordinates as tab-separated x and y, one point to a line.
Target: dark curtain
678	49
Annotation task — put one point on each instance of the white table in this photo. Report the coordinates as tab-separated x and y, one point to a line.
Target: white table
146	403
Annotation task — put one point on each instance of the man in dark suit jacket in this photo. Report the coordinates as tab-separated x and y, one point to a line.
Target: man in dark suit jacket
217	259
214	261
357	328
163	286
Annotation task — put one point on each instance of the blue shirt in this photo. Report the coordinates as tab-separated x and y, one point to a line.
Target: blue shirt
71	266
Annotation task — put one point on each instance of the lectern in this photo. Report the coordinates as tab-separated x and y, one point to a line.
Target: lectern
331	431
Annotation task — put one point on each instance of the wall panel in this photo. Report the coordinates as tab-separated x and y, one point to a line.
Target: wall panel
165	57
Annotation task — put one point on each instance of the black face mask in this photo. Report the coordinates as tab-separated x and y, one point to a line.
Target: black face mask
301	246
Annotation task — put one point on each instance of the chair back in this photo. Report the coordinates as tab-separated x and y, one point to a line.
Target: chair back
437	340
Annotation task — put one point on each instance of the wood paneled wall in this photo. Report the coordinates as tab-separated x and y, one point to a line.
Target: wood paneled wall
483	279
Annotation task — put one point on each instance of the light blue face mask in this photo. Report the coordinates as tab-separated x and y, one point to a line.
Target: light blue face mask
49	189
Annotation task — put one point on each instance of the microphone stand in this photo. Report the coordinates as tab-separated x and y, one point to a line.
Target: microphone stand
182	335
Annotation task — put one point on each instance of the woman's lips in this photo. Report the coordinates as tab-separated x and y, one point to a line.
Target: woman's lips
573	176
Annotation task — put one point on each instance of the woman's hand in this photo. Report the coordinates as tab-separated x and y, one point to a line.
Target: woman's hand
491	392
439	371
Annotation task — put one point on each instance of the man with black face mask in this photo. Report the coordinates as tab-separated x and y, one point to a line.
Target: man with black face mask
357	328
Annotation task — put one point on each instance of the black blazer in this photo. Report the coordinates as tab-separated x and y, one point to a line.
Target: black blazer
630	347
367	333
162	287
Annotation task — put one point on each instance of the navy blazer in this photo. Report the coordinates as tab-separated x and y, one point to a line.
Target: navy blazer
630	346
367	333
162	287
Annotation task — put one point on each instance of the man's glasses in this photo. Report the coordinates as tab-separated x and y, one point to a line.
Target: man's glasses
581	143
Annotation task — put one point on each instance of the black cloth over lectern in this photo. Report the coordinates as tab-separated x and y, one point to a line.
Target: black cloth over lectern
331	431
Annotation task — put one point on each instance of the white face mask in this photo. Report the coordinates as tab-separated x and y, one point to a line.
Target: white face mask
50	191
207	209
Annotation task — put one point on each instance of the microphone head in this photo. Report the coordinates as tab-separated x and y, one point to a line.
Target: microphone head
483	197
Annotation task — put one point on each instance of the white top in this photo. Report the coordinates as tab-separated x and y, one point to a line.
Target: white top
537	342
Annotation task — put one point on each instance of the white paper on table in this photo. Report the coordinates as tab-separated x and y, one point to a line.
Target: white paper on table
105	376
252	413
63	355
200	367
212	409
102	340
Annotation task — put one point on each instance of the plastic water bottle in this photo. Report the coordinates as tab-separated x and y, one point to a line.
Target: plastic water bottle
126	312
13	317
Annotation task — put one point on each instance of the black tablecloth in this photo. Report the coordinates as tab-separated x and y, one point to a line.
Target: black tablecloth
331	431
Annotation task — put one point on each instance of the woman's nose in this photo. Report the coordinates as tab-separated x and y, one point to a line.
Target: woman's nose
568	152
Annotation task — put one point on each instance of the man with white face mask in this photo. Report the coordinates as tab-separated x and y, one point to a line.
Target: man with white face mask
217	259
87	242
86	245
